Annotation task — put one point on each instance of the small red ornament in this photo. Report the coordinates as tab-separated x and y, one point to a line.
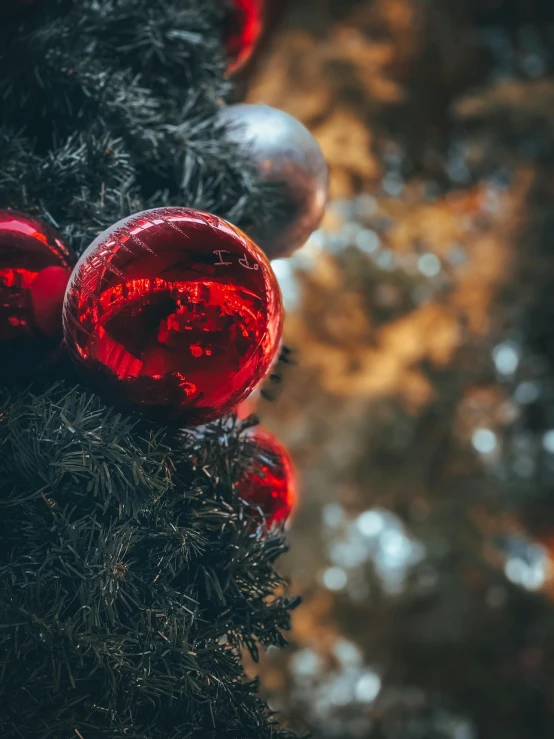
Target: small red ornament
174	313
268	485
35	266
242	30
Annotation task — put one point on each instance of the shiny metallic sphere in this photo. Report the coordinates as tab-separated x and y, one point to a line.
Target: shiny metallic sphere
287	153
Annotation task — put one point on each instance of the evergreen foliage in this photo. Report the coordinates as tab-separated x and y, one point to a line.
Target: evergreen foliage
130	576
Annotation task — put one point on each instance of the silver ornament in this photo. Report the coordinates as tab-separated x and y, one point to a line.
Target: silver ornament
285	152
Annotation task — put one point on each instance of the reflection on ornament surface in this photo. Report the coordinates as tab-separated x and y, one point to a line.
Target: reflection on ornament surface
174	313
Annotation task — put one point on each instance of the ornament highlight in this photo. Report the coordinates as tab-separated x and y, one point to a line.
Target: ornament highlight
268	485
285	152
175	314
35	266
242	29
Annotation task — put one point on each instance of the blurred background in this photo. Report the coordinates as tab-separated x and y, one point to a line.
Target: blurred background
420	412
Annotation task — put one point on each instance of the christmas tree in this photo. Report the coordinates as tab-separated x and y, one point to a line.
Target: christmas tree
132	577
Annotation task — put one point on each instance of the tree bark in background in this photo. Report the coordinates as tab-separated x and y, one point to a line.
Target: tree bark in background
421	411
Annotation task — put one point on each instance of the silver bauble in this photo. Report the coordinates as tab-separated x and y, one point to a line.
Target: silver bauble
285	152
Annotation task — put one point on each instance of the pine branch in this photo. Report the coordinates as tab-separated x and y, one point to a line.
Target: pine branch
131	577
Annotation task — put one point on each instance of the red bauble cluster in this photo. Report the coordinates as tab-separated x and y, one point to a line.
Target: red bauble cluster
174	313
242	30
35	266
268	485
171	312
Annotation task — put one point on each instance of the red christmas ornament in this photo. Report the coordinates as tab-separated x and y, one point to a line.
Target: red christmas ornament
242	30
174	313
268	485
35	266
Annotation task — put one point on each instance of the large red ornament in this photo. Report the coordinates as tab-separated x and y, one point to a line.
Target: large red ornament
174	313
35	266
268	484
242	29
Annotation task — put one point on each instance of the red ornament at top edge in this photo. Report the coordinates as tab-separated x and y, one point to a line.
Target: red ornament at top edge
175	314
242	29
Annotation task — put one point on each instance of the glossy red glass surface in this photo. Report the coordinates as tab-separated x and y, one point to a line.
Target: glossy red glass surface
35	266
242	30
268	485
174	313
